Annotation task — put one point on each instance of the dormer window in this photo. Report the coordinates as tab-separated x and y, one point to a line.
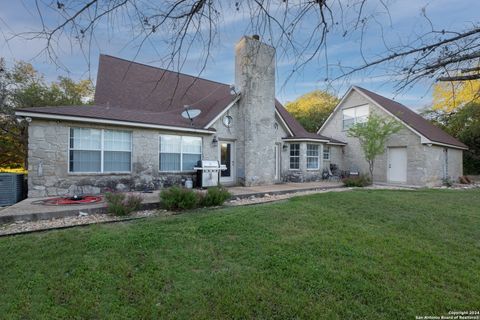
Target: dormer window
354	115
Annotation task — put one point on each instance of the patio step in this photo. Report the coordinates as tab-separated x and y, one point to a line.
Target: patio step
261	194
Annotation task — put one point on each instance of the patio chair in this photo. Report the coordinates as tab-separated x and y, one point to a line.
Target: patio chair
325	174
333	173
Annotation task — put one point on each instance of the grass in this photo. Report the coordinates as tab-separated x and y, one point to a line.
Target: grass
350	255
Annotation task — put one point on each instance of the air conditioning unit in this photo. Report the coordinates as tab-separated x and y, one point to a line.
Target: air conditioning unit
11	188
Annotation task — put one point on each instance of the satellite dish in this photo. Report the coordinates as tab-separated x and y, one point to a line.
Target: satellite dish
191	113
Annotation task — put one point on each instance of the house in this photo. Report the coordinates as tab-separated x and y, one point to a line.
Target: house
134	136
419	154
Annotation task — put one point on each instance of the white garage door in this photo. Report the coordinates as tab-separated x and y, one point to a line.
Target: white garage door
397	165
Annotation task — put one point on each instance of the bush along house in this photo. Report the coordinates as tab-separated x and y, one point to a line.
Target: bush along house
134	136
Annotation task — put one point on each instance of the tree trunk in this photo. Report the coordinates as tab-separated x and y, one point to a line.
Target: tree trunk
370	167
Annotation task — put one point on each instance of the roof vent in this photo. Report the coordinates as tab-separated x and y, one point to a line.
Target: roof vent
256	37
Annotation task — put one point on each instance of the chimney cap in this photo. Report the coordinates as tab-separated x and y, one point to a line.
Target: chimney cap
256	37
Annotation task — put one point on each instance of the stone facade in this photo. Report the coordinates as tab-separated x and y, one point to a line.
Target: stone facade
49	147
256	132
235	134
255	80
425	163
48	173
303	174
336	156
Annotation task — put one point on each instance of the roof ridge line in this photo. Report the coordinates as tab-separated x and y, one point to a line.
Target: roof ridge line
394	101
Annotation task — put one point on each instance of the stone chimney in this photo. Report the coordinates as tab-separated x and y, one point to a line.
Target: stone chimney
255	80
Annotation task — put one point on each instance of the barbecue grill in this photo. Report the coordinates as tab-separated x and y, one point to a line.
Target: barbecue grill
208	173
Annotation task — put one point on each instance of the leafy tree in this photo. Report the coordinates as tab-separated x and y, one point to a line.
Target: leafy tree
312	109
448	96
21	87
12	152
373	134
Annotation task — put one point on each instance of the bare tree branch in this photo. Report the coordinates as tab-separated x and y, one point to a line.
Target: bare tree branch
300	30
460	78
467	70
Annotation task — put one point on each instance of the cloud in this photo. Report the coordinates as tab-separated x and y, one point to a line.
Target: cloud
231	26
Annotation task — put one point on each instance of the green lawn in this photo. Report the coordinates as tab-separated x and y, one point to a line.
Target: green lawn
349	255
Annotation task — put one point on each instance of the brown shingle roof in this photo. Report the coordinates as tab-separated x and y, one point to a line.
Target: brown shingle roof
135	86
135	92
104	112
412	119
297	129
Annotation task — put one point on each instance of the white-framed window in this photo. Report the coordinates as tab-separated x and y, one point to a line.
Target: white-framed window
313	154
117	151
354	115
326	153
295	156
179	153
100	150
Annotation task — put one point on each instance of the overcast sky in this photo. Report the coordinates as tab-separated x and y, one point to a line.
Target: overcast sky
406	21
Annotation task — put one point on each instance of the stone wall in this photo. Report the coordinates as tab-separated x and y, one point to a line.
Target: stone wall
303	174
235	133
48	158
424	162
48	162
336	157
255	79
455	163
435	172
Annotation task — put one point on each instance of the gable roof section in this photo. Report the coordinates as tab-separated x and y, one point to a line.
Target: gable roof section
411	119
131	92
297	130
135	86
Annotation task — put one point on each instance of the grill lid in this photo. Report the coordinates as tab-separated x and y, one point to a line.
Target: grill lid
208	164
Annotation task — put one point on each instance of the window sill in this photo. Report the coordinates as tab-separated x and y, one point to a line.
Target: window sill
318	169
293	169
177	172
99	173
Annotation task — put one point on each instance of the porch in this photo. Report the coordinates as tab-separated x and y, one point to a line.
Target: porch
29	210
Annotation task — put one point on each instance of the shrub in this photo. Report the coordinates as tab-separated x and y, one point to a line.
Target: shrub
358	181
120	204
176	198
215	196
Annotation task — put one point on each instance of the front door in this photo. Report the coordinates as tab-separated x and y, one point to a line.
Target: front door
227	157
397	165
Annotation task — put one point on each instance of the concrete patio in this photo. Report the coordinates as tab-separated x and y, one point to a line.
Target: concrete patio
28	210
